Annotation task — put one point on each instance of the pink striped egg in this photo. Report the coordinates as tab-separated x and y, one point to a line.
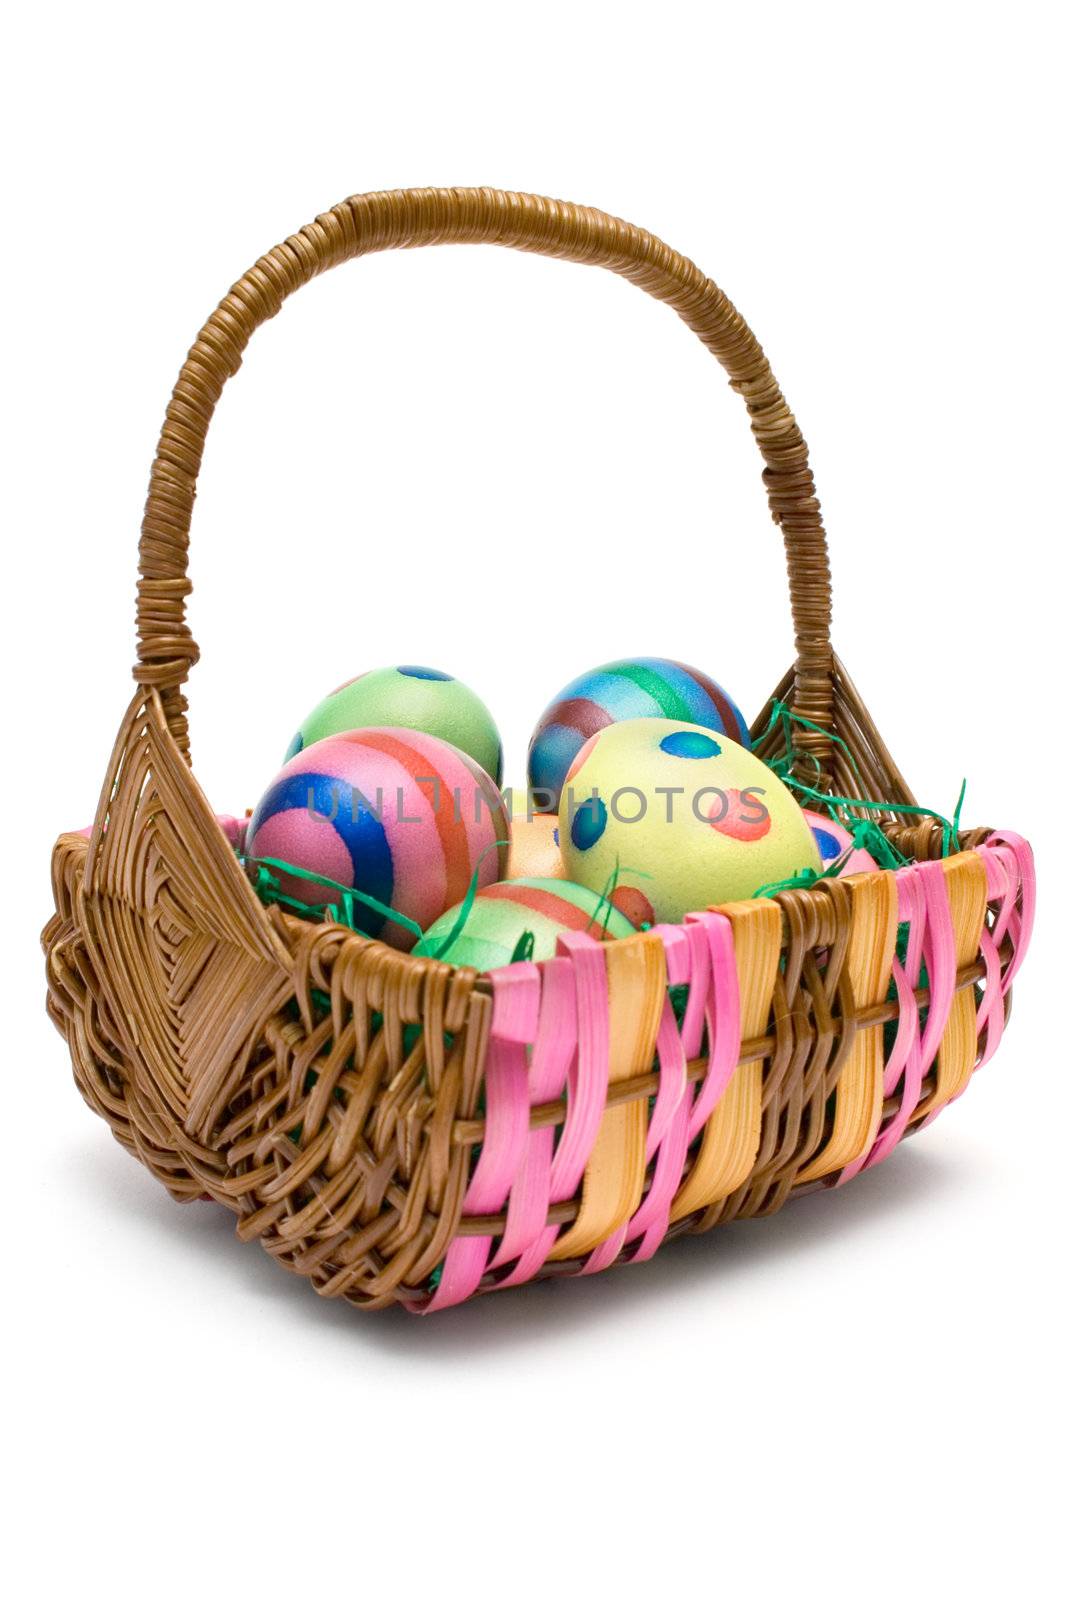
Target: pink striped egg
398	815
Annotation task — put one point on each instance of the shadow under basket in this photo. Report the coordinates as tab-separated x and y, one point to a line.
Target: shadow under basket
399	1131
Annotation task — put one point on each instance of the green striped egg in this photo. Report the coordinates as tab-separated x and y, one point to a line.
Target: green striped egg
502	914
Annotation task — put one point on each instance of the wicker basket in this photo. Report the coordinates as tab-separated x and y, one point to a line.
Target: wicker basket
396	1130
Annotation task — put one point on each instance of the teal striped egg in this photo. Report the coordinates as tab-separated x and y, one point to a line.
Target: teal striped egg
642	686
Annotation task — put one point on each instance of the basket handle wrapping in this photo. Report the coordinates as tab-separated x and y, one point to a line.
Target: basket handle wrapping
403	219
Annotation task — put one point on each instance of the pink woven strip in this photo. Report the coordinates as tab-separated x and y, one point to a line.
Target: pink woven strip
587	1088
516	1001
698	978
605	1254
653	1217
678	943
531	1261
714	999
992	1011
1002	884
552	1056
1016	916
1009	864
706	955
939	953
911	899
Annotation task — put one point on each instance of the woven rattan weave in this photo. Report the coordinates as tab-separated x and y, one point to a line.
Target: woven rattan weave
396	1130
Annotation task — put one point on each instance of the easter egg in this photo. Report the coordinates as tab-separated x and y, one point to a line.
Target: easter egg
634	905
235	829
525	803
397	815
688	817
420	698
500	916
646	686
833	841
535	849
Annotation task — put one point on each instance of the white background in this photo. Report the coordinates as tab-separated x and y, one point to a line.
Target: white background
515	469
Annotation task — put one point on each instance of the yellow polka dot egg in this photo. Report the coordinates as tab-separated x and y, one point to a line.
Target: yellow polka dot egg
687	816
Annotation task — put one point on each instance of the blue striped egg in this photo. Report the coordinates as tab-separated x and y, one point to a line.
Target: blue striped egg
642	686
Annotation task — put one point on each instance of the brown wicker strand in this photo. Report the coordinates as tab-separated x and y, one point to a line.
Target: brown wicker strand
416	217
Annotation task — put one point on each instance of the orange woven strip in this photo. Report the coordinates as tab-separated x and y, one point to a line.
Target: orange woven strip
967	885
731	1139
615	1172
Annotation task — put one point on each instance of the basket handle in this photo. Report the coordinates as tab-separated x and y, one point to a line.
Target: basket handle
405	218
